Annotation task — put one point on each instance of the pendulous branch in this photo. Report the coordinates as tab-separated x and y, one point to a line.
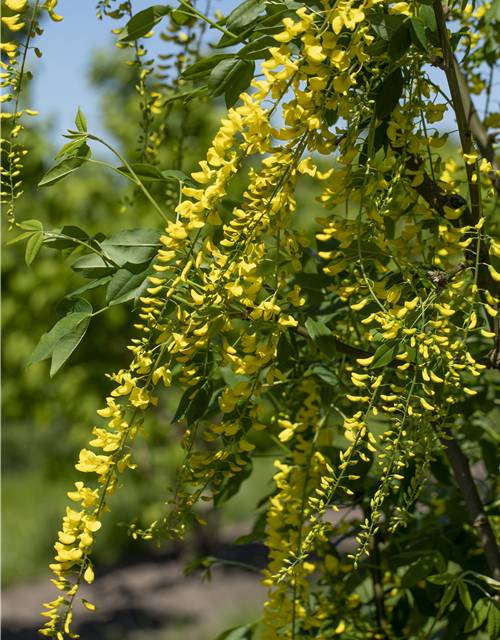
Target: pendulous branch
461	470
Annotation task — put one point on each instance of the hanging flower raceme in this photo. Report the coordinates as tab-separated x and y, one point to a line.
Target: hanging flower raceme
226	309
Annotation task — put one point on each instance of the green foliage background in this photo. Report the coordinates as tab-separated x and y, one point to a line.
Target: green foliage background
45	421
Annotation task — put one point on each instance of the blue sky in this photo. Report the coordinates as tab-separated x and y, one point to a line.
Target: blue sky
61	75
60	81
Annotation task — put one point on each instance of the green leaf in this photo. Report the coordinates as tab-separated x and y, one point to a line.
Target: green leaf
68	305
494	620
229	487
62	170
216	326
183	17
463	592
126	282
443	578
74	135
31	225
493	13
185	400
421	568
313	5
490	456
489	581
200	403
65	243
385	25
258	49
286	349
244	14
385	354
49	340
142	23
145	172
478	614
448	596
427	15
33	247
456	37
202	68
173	175
71	147
132	245
236	633
136	246
324	373
369	250
93	266
81	123
67	344
196	93
417	34
388	94
400	43
241	83
377	48
230	77
27	234
90	285
322	337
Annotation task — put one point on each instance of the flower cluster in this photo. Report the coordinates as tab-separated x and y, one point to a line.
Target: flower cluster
226	307
13	75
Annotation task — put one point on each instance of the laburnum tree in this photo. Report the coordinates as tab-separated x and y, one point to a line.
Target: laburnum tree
364	344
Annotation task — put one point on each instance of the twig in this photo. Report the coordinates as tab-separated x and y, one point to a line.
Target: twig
360	354
437	198
345	348
441	278
460	465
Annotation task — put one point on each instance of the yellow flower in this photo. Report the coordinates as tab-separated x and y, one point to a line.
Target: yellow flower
16	5
485	166
426	405
10	48
470	158
49	6
12	23
89	575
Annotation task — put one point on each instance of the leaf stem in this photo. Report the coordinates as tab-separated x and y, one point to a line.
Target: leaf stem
210	22
136	179
85	244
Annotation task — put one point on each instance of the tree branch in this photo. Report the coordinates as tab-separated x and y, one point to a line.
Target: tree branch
441	278
483	140
343	348
460	465
437	199
458	106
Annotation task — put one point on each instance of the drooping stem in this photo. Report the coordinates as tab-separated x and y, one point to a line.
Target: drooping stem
132	173
204	17
461	470
378	590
